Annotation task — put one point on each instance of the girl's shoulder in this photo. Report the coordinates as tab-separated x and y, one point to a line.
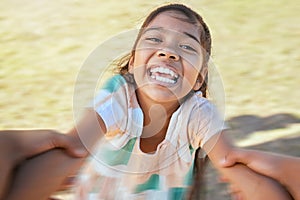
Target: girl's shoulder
197	102
204	120
114	83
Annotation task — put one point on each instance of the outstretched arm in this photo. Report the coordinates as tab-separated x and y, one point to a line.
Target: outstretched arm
40	176
251	185
282	168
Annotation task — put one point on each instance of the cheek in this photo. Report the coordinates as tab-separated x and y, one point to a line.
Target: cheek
139	66
192	70
189	78
192	60
142	56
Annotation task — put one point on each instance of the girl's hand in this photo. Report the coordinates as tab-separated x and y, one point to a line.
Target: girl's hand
236	156
261	162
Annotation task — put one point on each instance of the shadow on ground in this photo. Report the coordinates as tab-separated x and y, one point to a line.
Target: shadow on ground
244	125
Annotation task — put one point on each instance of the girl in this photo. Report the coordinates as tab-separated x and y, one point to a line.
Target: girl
147	123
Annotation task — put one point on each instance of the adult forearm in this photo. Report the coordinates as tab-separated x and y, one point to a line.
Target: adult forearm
282	168
254	186
290	175
40	176
8	160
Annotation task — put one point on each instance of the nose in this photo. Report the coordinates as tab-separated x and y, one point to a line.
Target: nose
167	55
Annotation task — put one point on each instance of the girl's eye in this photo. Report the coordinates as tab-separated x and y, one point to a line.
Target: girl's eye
153	39
187	47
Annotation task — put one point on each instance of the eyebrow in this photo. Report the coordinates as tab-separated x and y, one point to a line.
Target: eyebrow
161	28
192	36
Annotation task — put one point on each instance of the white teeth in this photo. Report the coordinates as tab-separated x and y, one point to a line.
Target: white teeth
164	70
163	79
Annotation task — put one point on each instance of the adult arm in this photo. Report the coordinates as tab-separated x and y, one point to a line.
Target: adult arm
19	145
40	176
28	143
282	168
251	185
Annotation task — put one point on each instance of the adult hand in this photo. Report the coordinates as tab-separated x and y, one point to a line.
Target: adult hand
29	143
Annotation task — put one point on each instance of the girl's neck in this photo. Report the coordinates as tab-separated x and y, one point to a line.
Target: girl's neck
163	109
157	115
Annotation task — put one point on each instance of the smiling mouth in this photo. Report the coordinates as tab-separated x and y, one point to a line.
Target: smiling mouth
163	74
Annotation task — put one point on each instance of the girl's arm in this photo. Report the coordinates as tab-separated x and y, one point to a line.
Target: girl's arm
251	185
279	167
40	176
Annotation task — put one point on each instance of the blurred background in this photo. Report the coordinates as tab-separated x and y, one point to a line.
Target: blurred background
255	49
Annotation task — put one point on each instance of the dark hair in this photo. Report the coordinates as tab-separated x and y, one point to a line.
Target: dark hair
205	41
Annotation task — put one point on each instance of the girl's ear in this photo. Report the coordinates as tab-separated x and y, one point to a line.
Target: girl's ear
200	79
130	64
198	83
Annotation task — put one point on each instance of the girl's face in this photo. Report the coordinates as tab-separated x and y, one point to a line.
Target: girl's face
168	58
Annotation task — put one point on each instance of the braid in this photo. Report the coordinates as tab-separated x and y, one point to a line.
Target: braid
198	187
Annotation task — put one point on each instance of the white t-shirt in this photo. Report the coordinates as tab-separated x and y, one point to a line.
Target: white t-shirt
118	169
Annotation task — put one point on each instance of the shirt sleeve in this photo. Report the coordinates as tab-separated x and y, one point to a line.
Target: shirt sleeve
111	105
205	121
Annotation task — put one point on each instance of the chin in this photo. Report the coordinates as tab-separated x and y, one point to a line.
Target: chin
162	96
